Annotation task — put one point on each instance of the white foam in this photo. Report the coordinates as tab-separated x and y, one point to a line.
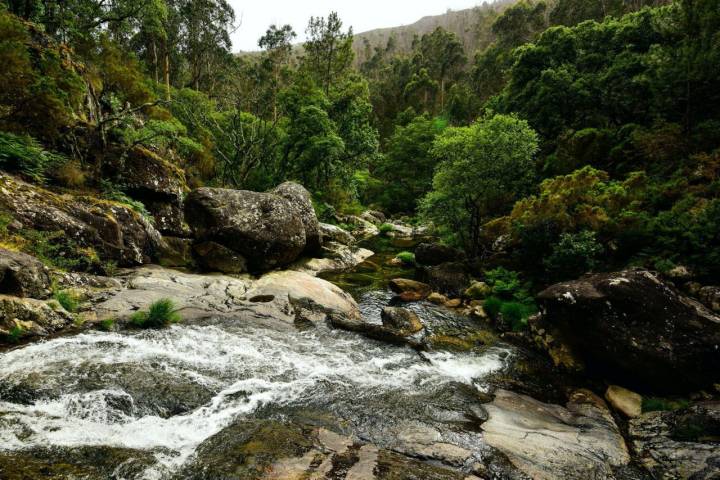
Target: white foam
250	367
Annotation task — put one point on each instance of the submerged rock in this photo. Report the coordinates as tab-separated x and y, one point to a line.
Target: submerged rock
23	275
548	442
402	321
410	290
683	444
633	328
264	228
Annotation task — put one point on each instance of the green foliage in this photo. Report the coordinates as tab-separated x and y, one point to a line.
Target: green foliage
107	325
492	306
386	228
68	300
407	258
58	250
407	168
656	404
574	254
113	192
15	334
160	314
510	300
482	169
27	156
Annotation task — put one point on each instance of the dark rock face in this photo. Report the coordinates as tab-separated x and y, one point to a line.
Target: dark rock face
23	275
218	258
159	184
432	254
332	233
449	278
115	231
263	228
679	444
302	200
632	327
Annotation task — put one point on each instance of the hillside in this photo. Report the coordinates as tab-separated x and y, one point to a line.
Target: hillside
467	24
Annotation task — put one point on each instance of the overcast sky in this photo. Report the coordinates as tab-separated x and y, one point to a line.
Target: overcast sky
363	15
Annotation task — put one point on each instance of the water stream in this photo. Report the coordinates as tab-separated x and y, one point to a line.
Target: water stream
166	392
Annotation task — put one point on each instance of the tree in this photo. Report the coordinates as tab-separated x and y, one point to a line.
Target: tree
482	169
277	43
443	56
407	167
328	50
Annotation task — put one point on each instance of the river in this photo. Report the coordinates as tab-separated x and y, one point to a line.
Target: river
145	402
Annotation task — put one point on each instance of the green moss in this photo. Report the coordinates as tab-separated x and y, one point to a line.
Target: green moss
492	306
15	334
160	314
407	258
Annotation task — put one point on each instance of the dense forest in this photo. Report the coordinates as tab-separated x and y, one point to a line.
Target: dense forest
581	133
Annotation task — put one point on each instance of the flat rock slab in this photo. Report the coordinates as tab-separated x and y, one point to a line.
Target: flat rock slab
279	297
548	442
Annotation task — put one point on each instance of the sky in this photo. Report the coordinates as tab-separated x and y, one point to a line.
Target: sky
363	15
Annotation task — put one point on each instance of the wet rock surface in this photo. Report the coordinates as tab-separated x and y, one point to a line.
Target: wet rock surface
22	275
684	444
636	329
547	441
302	201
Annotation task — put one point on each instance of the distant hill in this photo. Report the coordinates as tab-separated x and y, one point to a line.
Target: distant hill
471	25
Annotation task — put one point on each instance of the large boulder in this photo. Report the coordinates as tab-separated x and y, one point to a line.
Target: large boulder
449	278
23	275
400	320
410	290
633	328
432	254
113	230
547	442
158	183
333	233
302	201
680	444
262	227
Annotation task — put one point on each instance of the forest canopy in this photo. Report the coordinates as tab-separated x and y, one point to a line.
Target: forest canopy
586	136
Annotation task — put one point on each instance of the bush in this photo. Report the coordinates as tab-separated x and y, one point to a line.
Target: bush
407	258
160	314
107	325
386	228
573	255
67	300
26	156
655	404
492	306
504	283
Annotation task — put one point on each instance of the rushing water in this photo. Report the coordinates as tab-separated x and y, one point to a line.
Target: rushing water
167	391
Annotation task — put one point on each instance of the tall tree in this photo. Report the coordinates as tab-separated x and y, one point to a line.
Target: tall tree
277	43
442	54
328	51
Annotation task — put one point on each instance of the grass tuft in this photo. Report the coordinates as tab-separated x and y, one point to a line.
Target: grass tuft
160	314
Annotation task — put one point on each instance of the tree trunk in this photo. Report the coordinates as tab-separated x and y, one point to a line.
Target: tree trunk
167	74
155	61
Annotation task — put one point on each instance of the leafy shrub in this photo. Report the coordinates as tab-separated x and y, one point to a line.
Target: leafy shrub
574	254
70	174
407	258
58	250
114	193
492	306
385	228
516	314
108	324
160	314
26	156
67	300
504	283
